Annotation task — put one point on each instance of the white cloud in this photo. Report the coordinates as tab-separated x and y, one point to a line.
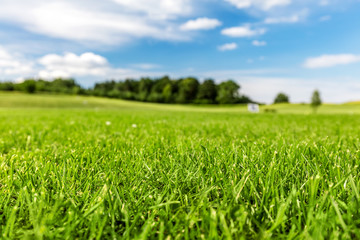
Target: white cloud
87	67
258	43
201	24
72	65
87	60
159	9
243	31
11	65
228	47
260	4
100	22
325	61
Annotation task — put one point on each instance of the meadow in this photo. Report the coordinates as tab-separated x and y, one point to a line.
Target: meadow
91	168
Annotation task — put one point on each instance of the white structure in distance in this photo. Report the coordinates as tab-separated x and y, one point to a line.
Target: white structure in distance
253	108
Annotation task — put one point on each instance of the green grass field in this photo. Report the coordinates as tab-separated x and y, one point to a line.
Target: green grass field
91	168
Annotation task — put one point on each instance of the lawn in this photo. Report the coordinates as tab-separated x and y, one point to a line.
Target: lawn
92	168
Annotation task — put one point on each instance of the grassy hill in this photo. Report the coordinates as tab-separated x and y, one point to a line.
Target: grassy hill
21	100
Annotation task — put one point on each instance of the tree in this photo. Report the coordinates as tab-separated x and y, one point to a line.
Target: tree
102	89
188	89
167	93
315	100
145	86
60	85
228	92
162	90
29	86
281	98
7	86
156	94
207	92
127	89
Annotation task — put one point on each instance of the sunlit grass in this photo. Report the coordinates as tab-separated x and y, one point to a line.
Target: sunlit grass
119	170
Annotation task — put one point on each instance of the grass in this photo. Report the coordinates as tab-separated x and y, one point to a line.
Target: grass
109	169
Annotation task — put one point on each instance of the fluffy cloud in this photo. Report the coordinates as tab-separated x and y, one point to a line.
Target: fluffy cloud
87	67
70	65
11	65
97	22
258	43
260	4
228	47
200	24
325	61
243	31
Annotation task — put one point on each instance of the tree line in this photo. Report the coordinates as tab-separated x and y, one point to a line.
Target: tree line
160	90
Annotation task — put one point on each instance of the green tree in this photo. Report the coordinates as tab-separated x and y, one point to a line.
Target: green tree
43	86
207	92
145	86
156	94
29	86
167	93
281	98
315	100
228	92
7	86
188	89
60	85
103	89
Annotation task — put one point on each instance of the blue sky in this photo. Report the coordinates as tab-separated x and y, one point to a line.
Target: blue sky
267	46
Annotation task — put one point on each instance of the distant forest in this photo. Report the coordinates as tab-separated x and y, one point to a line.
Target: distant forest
160	90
